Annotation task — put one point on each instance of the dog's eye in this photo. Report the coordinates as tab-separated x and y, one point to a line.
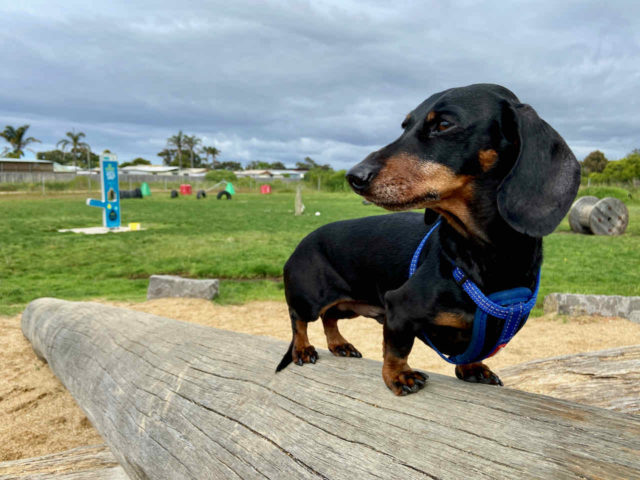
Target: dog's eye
442	125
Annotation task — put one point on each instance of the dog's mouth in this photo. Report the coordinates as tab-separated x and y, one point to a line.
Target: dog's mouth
423	201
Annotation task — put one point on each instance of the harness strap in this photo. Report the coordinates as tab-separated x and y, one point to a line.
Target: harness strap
491	308
416	255
513	306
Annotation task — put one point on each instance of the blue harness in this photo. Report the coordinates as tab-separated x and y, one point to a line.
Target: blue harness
513	306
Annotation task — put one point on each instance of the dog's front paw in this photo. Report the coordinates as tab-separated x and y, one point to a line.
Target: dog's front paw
345	350
405	382
304	355
477	373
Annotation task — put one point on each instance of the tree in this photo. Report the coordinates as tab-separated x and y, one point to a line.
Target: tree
258	165
178	142
135	161
310	164
261	165
191	142
233	166
58	156
166	155
77	146
623	170
212	152
140	161
595	162
17	140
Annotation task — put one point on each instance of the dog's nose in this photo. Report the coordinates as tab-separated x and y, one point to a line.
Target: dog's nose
360	177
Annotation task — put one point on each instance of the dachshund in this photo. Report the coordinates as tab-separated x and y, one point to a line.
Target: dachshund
497	175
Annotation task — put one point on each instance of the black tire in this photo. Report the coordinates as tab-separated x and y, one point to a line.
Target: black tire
223	193
174	194
201	194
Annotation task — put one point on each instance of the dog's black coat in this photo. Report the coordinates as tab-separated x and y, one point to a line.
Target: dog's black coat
501	178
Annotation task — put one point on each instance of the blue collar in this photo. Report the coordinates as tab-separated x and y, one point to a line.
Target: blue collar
513	306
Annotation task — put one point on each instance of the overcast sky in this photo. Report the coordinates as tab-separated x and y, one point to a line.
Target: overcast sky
278	81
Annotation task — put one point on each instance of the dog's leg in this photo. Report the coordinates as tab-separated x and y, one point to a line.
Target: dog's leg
477	373
302	352
337	344
396	373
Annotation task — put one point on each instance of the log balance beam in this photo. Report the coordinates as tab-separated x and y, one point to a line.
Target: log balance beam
177	400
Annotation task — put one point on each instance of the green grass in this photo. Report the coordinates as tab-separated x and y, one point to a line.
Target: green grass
244	242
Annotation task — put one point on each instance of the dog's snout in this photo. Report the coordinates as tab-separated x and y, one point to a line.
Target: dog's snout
360	177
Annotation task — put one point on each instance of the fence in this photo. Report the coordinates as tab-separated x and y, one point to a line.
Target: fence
39	177
43	183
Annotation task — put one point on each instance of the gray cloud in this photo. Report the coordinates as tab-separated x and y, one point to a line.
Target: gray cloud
332	80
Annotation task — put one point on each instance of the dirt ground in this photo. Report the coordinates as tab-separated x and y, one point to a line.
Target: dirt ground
38	416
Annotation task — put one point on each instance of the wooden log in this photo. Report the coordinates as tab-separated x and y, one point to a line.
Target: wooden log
176	400
94	462
608	378
590	215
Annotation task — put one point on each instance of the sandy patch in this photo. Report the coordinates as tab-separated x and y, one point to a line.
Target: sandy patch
38	415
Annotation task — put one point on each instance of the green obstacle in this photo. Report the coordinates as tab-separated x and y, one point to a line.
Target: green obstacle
144	188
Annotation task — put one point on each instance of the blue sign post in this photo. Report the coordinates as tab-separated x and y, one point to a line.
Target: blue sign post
110	191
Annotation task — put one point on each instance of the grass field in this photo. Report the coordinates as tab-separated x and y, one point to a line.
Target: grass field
244	242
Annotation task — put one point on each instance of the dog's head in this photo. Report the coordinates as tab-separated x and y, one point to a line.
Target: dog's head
469	149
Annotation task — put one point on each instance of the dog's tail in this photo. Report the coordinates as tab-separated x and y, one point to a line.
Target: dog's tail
287	359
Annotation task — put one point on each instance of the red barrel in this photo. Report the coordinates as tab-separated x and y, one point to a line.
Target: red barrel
185	189
265	188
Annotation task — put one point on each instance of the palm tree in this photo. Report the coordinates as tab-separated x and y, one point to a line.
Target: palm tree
76	144
16	137
178	142
191	142
212	152
62	145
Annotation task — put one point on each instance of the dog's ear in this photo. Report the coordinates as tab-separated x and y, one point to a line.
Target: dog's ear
538	191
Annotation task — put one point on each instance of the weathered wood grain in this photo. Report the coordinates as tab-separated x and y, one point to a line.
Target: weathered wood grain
608	378
591	215
94	462
176	400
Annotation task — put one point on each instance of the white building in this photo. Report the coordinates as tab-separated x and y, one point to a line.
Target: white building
271	174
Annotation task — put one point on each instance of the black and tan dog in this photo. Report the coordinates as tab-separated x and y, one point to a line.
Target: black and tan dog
499	176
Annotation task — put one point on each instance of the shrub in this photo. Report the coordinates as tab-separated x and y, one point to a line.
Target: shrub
624	170
220	175
327	179
621	194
